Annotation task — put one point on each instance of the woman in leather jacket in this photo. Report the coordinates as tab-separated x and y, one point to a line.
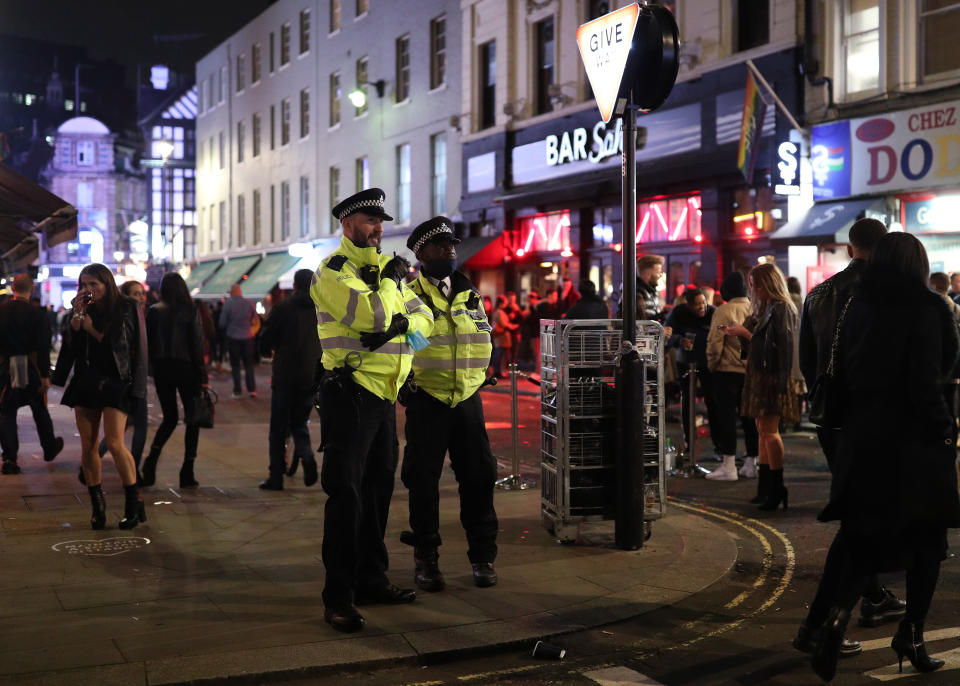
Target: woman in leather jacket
106	349
175	335
773	380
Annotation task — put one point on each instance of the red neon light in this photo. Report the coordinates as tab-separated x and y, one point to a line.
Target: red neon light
698	238
526	247
748	230
643	225
680	221
663	222
521	252
617	247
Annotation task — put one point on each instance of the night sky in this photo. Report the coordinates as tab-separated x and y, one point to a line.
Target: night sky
124	30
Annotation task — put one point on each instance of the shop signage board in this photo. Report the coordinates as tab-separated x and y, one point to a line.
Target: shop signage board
896	151
788	169
940	214
605	45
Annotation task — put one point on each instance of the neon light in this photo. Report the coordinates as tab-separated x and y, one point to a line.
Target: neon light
643	225
663	222
566	253
521	252
541	226
748	230
759	216
698	238
526	248
743	217
676	231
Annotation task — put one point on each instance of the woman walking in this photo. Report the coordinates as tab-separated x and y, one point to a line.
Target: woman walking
175	335
106	348
772	381
895	487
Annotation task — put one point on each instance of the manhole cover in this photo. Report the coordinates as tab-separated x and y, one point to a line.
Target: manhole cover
103	547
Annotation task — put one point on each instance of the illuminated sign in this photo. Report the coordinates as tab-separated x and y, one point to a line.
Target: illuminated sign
543	233
604	47
936	214
668	220
571	146
788	169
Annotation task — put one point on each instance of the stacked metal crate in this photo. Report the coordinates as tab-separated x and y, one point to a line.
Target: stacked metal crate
579	421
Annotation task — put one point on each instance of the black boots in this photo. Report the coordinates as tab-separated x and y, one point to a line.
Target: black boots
133	509
186	474
776	491
909	643
427	575
99	516
149	471
763	483
824	660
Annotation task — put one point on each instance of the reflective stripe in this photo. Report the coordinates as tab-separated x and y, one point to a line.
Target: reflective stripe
460	363
423	310
379	316
454	313
352	303
413	304
325	317
461	338
347	343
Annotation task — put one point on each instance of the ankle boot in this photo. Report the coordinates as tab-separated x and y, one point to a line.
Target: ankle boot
824	660
725	472
763	483
148	475
776	491
98	518
186	474
909	642
427	574
133	509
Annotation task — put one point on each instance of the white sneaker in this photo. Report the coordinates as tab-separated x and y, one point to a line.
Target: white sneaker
749	468
725	472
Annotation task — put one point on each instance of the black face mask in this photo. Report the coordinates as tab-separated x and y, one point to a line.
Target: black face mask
440	269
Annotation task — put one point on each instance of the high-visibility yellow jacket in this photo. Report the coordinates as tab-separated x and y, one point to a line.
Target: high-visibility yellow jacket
455	364
347	307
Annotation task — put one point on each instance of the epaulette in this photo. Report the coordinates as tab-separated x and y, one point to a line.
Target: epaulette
336	262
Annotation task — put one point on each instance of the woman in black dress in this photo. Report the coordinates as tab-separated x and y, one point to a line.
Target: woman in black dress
894	489
106	348
175	334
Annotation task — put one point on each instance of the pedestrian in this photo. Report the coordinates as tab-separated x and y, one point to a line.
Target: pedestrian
105	347
445	412
567	296
516	318
590	305
895	488
954	291
24	373
290	334
710	295
690	324
773	374
239	323
364	310
818	324
209	330
940	283
219	339
175	342
138	420
503	331
649	306
530	328
795	291
727	365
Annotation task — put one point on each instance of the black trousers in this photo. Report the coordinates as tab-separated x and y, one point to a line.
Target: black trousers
727	400
9	440
172	377
241	352
289	410
434	428
359	464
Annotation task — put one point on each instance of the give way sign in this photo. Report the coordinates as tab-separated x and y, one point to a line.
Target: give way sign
605	46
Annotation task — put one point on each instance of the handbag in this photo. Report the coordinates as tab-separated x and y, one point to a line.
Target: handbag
826	400
203	408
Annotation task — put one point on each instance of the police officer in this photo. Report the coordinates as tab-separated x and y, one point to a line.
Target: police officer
445	413
366	317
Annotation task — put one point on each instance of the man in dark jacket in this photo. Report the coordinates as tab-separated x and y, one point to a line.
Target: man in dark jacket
291	333
24	372
821	310
590	305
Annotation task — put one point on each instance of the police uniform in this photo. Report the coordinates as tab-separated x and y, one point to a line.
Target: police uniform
356	301
445	413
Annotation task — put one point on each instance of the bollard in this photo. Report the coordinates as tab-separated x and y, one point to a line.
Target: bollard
690	467
515	481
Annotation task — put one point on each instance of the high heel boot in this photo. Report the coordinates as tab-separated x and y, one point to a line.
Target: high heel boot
133	510
776	491
148	475
763	484
824	660
187	479
99	516
908	642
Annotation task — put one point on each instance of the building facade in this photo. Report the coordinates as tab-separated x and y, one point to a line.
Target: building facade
280	143
542	172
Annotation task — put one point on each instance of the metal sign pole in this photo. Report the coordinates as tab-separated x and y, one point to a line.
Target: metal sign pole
629	213
515	481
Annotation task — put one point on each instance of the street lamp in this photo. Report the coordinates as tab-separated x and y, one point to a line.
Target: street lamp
165	148
358	96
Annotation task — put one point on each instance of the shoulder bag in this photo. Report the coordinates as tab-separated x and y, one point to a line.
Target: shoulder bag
826	399
203	408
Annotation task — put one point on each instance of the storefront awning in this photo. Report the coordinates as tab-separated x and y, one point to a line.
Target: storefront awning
321	249
219	284
827	222
27	209
266	274
201	273
471	245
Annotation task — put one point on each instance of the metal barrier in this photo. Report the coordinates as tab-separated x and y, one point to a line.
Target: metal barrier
515	481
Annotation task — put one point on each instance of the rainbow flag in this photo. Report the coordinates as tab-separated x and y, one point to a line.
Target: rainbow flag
751	127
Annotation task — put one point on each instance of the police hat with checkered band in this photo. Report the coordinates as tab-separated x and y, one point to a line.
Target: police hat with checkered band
432	230
369	201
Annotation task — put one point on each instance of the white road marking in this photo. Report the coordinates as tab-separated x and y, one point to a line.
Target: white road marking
891	672
928	636
620	676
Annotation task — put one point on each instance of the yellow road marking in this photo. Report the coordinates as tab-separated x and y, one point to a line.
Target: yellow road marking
499	672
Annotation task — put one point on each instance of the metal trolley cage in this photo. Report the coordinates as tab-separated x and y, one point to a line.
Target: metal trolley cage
578	422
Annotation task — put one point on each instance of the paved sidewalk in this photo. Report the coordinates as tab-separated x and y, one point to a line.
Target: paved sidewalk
224	582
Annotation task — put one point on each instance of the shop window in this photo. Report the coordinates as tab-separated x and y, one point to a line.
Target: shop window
939	28
548	232
669	219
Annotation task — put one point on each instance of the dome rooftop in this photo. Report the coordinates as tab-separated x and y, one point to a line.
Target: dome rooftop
83	125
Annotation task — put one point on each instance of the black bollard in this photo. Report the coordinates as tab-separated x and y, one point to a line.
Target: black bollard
628	529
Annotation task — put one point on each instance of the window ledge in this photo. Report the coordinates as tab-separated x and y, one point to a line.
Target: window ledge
402	103
361	16
439	89
303	139
362	115
335	127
